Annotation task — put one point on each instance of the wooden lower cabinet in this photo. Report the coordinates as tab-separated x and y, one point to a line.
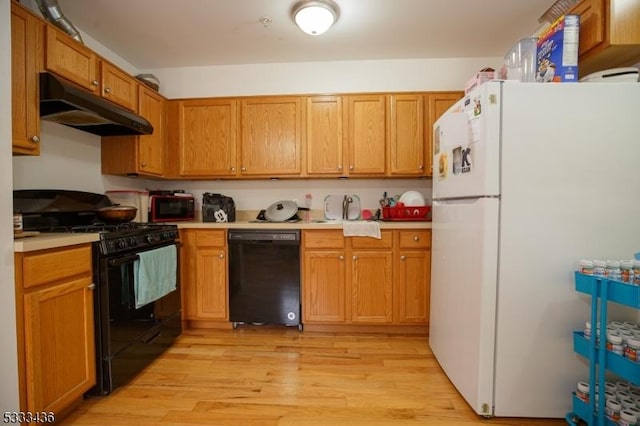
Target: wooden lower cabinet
324	288
55	317
204	275
412	276
371	286
366	281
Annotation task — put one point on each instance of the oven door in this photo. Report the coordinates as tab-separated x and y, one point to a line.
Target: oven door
129	338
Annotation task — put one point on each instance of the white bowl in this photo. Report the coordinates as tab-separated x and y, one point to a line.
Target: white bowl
412	199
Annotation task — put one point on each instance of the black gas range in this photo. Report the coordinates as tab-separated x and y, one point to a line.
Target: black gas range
131	327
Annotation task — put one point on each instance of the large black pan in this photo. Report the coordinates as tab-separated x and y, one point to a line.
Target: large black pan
117	214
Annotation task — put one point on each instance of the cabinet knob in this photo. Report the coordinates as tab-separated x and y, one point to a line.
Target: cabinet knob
233	169
355	258
35	139
107	90
416	238
221	255
341	257
403	258
421	167
95	83
244	169
351	167
91	286
340	167
143	164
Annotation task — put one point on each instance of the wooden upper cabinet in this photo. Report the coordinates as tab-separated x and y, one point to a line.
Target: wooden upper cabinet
407	145
71	60
118	86
609	34
27	50
437	104
325	148
140	154
207	137
152	148
271	136
365	118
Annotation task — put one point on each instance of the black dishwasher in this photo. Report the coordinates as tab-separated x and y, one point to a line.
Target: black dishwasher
264	277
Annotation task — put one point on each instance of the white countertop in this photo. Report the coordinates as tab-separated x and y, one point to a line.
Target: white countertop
244	224
52	240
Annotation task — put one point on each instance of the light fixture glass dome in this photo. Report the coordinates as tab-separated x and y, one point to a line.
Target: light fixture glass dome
315	17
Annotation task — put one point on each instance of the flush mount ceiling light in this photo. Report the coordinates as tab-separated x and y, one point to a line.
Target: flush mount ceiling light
315	17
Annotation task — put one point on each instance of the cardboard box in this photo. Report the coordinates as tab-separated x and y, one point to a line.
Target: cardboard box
557	51
479	78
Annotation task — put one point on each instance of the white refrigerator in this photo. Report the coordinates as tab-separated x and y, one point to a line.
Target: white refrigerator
528	178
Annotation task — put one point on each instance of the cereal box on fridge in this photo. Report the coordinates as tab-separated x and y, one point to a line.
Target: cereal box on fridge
557	52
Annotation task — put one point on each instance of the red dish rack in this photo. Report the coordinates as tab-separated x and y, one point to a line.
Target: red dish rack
404	213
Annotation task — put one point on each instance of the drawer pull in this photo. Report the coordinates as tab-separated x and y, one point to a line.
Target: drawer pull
403	258
221	255
35	139
416	238
91	286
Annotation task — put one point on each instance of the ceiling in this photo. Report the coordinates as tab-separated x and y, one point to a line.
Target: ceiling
152	34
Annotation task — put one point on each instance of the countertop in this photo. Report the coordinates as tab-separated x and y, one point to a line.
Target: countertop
247	224
54	240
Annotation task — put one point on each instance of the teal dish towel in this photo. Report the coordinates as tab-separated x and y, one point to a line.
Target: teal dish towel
155	274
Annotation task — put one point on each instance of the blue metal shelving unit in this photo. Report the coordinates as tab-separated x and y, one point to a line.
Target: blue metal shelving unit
602	291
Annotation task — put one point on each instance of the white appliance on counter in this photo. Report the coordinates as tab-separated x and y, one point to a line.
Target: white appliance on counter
528	179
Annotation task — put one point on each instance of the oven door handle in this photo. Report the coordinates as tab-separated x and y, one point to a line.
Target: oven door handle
122	260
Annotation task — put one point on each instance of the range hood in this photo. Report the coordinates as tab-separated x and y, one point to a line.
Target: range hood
64	103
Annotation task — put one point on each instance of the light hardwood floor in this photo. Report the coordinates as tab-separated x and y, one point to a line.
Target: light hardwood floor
269	377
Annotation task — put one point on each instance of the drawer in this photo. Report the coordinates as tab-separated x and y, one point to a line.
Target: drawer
52	265
373	243
323	239
419	239
211	238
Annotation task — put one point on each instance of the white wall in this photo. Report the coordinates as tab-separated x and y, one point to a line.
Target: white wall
9	400
321	77
69	159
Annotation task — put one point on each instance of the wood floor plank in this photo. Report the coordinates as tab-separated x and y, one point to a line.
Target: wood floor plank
282	377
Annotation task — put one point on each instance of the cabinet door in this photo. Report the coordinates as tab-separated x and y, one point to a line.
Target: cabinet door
592	24
438	104
151	148
371	286
207	137
139	154
324	135
59	344
271	135
118	86
413	275
211	283
71	60
366	134
323	286
27	50
407	145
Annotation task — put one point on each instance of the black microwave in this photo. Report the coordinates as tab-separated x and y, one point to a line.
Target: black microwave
171	208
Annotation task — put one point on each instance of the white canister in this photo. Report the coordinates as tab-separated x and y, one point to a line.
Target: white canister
612	410
582	391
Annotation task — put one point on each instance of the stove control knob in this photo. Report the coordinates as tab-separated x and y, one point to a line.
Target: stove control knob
132	242
122	244
150	238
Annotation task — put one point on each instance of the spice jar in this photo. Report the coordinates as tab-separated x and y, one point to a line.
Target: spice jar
586	267
636	271
613	271
628	417
632	350
600	266
626	268
614	344
582	392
